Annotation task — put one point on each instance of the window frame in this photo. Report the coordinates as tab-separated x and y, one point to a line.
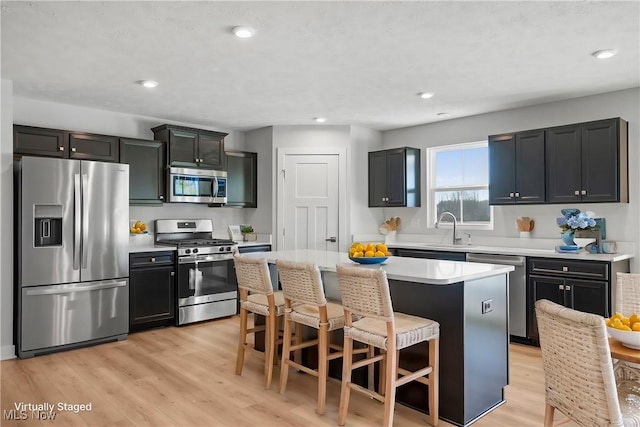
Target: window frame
431	188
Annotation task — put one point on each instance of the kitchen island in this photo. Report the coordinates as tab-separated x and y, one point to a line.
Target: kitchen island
469	300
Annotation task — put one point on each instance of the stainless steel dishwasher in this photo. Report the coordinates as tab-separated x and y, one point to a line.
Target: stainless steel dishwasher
517	289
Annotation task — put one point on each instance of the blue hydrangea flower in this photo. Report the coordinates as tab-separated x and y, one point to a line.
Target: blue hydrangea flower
573	219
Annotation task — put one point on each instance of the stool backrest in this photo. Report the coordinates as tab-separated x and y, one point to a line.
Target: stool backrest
301	282
578	372
253	274
627	293
365	292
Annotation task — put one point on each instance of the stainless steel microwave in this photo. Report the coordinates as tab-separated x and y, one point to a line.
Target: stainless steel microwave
197	186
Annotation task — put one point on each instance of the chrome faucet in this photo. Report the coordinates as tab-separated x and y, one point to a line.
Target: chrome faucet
456	240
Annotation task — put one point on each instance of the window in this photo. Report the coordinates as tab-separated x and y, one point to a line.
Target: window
459	183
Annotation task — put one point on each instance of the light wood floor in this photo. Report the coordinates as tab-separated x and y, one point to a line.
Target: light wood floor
185	376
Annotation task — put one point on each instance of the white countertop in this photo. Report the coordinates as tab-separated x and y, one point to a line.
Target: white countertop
502	250
428	271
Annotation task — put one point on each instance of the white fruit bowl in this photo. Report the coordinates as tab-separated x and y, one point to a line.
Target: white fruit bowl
629	339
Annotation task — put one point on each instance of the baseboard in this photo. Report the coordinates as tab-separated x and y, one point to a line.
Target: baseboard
7	352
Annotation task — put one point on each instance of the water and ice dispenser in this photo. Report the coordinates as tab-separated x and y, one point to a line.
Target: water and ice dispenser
47	225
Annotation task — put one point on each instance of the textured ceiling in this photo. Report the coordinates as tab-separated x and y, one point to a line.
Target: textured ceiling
356	63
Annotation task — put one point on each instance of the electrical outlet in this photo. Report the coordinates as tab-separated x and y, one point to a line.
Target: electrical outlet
487	306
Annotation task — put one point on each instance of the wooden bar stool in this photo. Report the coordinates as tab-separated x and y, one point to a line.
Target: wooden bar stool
257	296
365	292
305	304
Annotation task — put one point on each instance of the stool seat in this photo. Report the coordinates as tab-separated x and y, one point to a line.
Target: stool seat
259	304
309	315
410	330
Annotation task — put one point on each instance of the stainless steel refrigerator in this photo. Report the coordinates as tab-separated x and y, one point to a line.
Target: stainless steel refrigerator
73	254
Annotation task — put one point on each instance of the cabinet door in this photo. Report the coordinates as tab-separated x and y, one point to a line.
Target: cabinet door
378	183
86	146
588	296
396	178
146	170
502	169
551	288
40	141
211	152
563	164
600	164
529	169
183	148
242	185
152	294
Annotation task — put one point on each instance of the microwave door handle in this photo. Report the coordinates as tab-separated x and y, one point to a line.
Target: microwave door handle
215	187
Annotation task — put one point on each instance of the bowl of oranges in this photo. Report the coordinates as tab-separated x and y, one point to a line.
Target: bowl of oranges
625	329
369	253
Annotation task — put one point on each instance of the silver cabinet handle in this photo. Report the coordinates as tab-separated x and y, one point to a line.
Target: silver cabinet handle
161	197
73	149
152	260
173	273
565	268
517	194
583	192
511	195
577	192
201	160
561	287
331	239
567	288
60	148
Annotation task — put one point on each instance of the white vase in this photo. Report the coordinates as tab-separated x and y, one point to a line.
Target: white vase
583	241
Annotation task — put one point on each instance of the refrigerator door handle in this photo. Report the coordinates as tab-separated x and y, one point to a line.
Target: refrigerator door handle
85	219
52	290
77	215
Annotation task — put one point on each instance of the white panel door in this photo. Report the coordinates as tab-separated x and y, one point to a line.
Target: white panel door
311	202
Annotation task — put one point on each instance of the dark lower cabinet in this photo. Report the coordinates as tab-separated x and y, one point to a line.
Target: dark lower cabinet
430	254
578	284
146	170
152	290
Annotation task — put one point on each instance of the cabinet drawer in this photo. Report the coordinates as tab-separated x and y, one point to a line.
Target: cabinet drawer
569	268
150	259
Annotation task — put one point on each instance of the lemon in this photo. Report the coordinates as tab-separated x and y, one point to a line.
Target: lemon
357	254
369	254
636	327
382	247
378	254
387	253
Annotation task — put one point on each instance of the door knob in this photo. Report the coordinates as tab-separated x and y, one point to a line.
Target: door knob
331	239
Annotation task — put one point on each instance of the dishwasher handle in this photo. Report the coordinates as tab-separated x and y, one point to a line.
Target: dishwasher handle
517	261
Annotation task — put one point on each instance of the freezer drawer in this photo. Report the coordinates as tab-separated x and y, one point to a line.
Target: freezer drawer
73	313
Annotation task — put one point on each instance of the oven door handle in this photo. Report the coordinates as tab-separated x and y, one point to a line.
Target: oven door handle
204	258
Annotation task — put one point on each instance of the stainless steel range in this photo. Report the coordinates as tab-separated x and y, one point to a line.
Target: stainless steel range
206	283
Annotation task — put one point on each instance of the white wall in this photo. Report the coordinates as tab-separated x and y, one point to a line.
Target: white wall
622	218
6	220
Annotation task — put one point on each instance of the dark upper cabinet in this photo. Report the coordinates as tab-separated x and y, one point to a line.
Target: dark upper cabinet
189	147
87	146
587	162
394	178
37	141
146	170
64	144
516	168
242	184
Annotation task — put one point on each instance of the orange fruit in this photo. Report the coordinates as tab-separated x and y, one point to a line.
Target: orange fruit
369	254
387	253
625	328
636	327
382	247
378	254
142	227
371	247
634	318
358	254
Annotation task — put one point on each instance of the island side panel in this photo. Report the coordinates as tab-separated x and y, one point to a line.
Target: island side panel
473	346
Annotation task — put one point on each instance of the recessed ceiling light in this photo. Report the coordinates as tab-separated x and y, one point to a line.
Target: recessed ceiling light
244	32
148	83
320	119
443	115
425	95
604	54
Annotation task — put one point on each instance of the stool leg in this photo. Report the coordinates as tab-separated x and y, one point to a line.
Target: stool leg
390	388
241	341
370	369
382	378
323	352
345	390
286	344
270	341
434	386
